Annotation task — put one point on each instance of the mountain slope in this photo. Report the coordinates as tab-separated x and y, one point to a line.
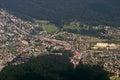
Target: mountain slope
105	12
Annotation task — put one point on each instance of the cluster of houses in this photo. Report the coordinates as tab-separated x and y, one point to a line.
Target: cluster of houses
17	42
14	39
76	58
109	59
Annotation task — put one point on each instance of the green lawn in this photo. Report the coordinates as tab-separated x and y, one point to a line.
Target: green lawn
41	21
51	28
71	27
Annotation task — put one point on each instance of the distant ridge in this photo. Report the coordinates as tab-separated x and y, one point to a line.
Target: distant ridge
106	12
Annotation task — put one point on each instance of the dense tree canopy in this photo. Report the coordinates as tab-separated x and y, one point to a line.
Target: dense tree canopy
52	68
105	12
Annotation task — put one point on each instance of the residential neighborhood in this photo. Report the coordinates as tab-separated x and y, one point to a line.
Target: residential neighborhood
20	40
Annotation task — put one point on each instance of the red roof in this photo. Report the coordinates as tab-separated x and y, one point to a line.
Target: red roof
76	53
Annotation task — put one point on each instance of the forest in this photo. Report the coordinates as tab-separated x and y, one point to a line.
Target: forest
51	67
59	12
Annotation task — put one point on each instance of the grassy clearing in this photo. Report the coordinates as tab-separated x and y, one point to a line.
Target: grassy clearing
47	26
41	21
51	28
71	27
91	38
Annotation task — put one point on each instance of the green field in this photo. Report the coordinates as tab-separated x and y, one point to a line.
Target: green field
41	21
47	26
51	28
71	27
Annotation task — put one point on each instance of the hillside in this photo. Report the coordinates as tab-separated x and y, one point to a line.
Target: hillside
52	68
94	12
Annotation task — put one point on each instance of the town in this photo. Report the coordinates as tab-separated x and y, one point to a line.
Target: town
20	40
